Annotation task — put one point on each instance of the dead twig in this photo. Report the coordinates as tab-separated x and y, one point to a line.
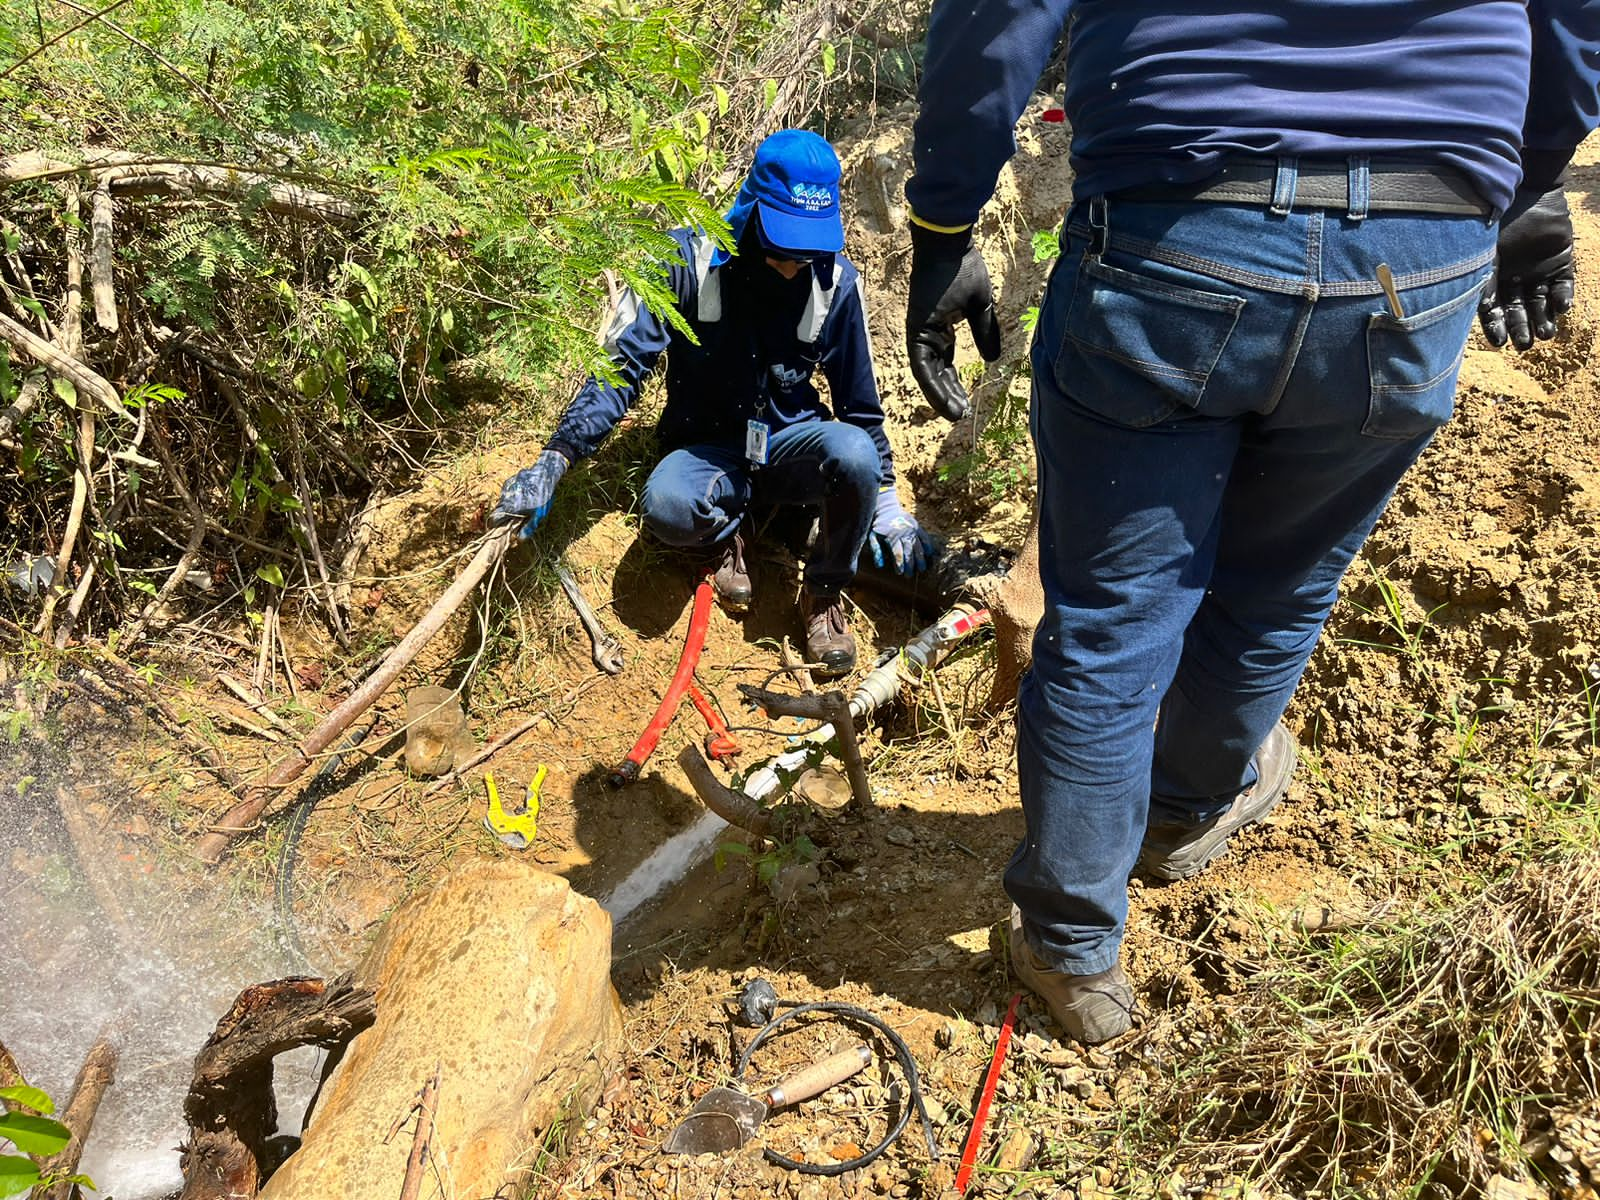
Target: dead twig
421	1142
197	534
242	816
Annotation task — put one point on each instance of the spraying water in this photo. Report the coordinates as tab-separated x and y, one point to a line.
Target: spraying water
155	976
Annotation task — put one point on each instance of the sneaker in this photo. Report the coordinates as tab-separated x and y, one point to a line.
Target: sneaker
1091	1008
731	582
1179	851
828	640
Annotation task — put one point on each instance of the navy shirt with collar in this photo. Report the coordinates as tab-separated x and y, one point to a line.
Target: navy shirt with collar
1165	92
747	365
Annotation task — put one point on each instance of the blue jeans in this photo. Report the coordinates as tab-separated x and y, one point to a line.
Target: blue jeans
697	495
1223	403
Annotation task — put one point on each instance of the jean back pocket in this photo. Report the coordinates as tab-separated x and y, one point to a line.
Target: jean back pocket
1137	347
1414	362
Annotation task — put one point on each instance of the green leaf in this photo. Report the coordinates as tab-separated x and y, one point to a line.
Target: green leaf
270	573
721	93
17	1175
64	390
32	305
830	59
29	1097
769	93
34	1135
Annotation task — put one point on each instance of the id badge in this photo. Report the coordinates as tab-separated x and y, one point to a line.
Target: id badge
755	442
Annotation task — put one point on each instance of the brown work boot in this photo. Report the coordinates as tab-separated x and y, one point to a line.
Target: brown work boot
828	640
732	579
1179	851
1091	1008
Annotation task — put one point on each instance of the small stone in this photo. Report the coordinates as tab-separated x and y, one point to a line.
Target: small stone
937	1113
945	1036
1017	1151
899	835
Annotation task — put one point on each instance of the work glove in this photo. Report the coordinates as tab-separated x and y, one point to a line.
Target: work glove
1533	281
911	548
949	281
526	495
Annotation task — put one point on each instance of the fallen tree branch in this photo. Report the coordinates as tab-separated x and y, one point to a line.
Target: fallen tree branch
242	816
88	1090
135	175
70	369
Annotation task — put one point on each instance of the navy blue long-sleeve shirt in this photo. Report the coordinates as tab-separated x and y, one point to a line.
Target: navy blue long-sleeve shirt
747	365
1164	92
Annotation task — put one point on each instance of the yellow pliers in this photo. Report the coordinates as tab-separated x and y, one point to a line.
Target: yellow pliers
515	829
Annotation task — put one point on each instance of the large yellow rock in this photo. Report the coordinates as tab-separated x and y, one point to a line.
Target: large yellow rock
501	975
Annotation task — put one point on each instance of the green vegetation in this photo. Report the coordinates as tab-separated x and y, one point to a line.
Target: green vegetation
328	227
29	1127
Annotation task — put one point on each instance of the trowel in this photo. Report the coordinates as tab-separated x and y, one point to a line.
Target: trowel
725	1118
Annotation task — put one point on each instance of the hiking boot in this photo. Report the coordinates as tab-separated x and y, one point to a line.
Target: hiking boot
828	640
1179	851
731	582
1091	1008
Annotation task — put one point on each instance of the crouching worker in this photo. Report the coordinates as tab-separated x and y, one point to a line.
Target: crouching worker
743	423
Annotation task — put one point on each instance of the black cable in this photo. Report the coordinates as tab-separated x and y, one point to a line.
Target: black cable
288	935
902	1054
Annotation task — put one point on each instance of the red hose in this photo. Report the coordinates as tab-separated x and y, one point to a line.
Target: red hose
720	744
699	620
969	1152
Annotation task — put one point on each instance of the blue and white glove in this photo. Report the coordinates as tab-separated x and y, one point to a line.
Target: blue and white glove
911	548
526	495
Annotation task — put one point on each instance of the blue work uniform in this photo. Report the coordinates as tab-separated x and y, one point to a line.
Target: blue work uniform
1224	399
749	364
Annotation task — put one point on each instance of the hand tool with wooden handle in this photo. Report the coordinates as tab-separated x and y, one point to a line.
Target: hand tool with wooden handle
725	1118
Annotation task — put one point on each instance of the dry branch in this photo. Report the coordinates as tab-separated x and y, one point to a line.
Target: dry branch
241	817
70	369
421	1142
131	175
94	1080
102	267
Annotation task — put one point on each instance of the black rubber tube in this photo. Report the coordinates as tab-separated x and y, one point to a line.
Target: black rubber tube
902	1054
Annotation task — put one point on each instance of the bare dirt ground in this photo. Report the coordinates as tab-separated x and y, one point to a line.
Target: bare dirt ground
1473	619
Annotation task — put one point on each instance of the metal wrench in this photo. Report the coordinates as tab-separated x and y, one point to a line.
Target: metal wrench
607	650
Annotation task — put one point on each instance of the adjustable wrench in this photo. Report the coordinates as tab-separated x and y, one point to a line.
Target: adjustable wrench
607	650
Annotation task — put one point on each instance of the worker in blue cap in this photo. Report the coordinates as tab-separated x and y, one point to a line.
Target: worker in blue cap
743	422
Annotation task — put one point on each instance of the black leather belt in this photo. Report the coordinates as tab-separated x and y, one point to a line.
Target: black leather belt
1393	187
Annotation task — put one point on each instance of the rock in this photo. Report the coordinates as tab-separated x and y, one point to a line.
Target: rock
1501	1188
1016	1152
899	835
500	975
436	730
794	881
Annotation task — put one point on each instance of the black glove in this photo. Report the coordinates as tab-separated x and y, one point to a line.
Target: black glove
1533	281
948	281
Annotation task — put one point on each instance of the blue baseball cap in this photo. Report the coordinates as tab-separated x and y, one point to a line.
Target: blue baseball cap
794	185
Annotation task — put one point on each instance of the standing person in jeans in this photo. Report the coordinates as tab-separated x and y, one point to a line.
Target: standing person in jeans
1285	217
743	421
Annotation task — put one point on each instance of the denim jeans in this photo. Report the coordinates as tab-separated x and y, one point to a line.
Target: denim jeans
1223	403
697	495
